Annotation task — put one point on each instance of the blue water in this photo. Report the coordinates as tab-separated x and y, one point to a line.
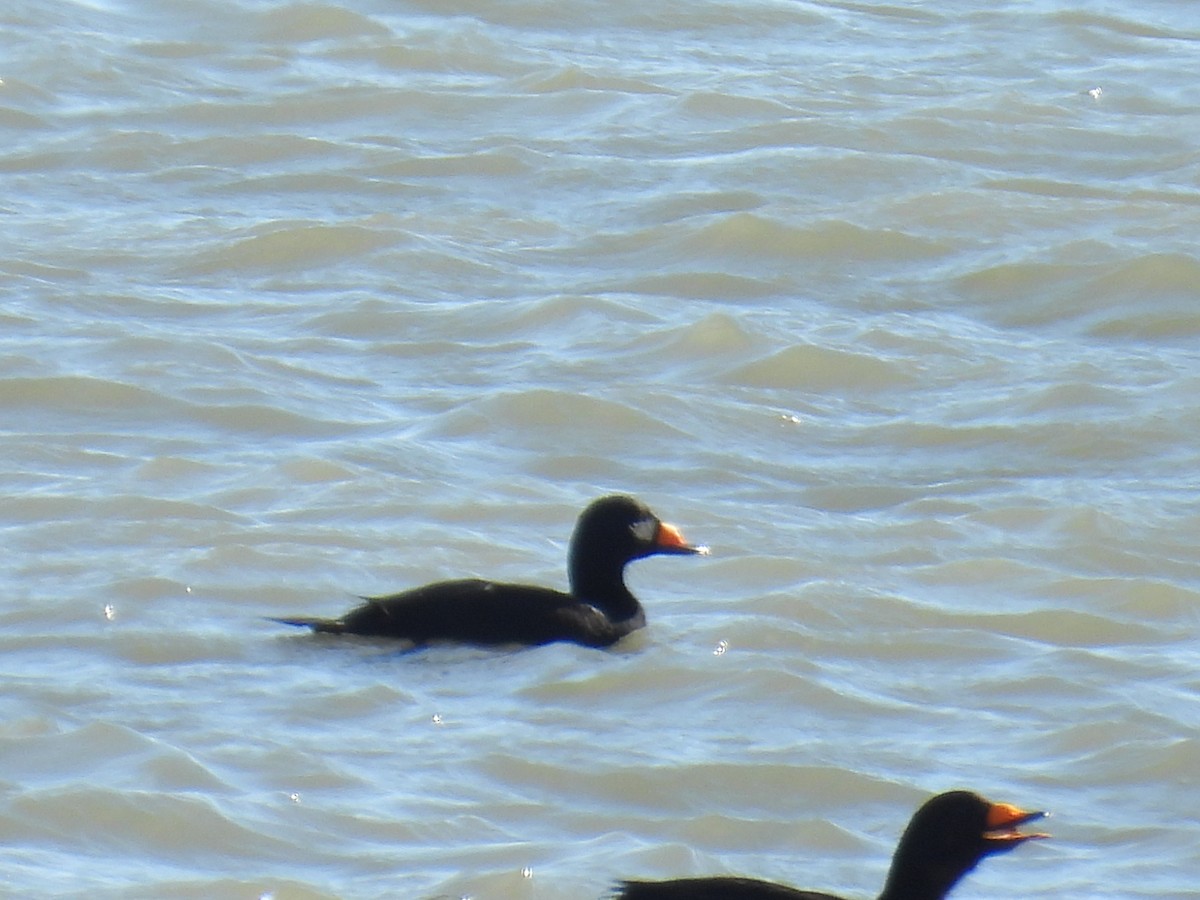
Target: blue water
893	305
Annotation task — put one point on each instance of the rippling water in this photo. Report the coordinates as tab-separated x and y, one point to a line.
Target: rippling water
894	305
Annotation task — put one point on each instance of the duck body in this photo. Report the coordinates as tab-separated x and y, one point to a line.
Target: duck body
475	611
719	888
945	839
598	611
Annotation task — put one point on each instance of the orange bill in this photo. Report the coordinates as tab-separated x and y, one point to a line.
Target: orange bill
1004	820
671	540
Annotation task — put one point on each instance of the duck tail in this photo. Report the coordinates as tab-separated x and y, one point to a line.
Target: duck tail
324	626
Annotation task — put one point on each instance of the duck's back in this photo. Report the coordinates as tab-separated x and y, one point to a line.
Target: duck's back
476	611
718	888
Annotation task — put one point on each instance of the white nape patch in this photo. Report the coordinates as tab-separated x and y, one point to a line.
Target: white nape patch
645	530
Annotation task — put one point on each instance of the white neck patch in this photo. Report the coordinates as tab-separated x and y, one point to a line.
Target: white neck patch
645	530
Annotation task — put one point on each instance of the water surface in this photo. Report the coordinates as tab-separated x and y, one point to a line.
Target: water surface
895	306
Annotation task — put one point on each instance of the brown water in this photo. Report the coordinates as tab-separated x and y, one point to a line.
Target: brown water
896	306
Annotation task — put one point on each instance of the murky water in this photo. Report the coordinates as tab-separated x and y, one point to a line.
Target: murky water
895	306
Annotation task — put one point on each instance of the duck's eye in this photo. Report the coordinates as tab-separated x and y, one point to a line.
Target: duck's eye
645	530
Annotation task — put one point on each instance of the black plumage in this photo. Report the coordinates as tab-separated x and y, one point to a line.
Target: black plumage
598	611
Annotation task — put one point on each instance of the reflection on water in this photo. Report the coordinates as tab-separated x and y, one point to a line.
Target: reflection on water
893	307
